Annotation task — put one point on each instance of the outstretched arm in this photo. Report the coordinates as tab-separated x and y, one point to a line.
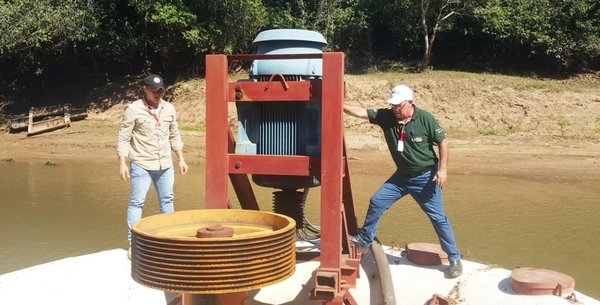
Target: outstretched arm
356	111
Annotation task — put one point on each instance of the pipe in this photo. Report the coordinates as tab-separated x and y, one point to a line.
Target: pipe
385	275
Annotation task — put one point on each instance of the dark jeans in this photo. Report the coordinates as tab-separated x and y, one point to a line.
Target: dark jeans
429	197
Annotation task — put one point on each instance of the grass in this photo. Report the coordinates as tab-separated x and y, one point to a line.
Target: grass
530	85
562	123
395	76
491	131
193	128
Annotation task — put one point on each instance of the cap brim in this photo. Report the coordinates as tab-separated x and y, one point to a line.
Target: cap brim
395	101
155	88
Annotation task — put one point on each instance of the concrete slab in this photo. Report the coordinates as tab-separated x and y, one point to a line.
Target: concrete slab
104	278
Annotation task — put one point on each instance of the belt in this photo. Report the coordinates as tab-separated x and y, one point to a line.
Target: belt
419	173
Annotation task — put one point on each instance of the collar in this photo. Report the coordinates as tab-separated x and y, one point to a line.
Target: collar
147	105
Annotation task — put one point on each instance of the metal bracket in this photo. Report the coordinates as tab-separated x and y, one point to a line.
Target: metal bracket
328	285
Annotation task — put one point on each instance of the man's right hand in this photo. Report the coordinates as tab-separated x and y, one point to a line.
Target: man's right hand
123	170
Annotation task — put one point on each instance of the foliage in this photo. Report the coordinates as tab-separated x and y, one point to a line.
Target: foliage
49	43
290	14
192	28
34	31
29	25
435	16
568	32
395	28
345	25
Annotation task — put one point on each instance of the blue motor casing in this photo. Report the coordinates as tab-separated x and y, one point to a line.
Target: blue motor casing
283	128
289	41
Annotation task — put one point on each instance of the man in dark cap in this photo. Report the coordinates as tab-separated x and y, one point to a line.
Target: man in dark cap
147	135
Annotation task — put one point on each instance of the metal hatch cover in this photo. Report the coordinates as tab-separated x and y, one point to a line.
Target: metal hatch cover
532	281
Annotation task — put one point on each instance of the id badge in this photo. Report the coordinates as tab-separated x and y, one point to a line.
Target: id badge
400	145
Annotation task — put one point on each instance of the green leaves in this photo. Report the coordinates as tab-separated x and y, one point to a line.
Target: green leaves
120	37
567	31
33	24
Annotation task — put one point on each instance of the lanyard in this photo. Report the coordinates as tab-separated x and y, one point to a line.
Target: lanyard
156	115
401	126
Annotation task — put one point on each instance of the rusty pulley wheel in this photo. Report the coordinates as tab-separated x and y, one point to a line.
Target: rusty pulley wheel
213	251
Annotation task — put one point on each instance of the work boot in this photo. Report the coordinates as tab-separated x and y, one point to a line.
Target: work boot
361	247
455	269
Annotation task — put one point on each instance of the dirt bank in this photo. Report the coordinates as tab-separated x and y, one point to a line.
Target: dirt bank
497	125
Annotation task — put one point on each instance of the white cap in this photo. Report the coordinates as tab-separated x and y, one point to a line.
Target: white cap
400	94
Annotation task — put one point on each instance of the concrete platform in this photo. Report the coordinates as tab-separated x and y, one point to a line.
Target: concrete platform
104	278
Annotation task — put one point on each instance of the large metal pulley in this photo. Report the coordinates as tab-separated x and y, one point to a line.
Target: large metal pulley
213	251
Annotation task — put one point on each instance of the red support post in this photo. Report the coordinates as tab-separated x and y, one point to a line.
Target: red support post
216	132
332	160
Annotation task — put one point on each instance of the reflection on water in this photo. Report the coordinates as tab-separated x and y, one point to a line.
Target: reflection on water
75	208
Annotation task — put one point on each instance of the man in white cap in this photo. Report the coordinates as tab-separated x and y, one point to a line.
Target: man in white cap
148	134
410	133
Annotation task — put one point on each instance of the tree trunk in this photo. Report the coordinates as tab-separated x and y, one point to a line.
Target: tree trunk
426	58
429	40
427	49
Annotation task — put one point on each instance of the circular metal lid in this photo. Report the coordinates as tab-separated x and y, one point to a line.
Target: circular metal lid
532	281
426	254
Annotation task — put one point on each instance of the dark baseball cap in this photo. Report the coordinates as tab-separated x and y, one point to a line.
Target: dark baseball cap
154	82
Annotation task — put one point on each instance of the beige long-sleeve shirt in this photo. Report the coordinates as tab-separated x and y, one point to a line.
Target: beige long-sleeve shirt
147	136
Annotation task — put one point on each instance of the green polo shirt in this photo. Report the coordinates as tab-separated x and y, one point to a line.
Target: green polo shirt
420	134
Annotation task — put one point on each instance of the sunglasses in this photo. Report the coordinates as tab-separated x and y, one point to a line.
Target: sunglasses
400	106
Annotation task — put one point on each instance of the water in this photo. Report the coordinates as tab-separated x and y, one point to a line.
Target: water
75	208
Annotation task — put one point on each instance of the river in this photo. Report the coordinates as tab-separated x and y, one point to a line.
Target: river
53	211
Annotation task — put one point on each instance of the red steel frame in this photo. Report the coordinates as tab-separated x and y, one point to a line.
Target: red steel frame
339	259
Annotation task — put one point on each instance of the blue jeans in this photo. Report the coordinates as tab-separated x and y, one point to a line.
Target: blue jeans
429	197
163	181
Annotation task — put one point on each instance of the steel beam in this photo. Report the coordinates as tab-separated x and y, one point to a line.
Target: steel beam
216	132
332	160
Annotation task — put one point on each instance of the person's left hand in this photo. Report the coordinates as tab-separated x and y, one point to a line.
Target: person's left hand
440	177
183	167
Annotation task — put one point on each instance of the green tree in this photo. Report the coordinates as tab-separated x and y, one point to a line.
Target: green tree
33	31
344	23
291	14
435	15
577	27
178	32
566	32
33	24
394	29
